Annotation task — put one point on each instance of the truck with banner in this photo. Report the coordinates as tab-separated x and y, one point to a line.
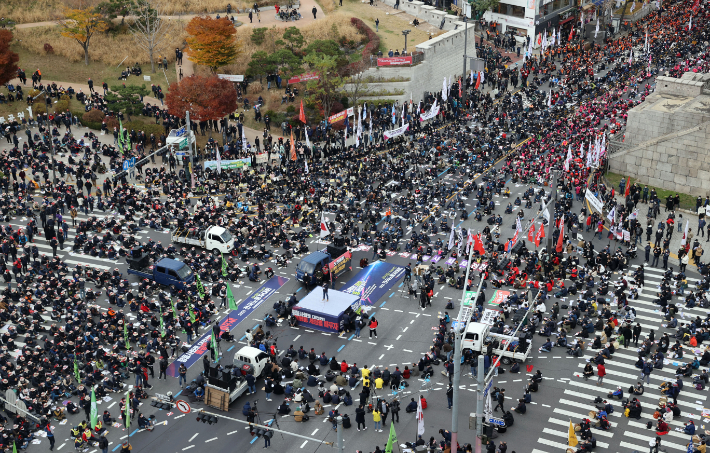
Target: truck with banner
312	266
479	335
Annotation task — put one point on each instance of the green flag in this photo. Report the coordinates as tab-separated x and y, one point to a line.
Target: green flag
14	447
224	266
94	414
392	441
76	371
172	304
120	136
189	309
230	299
125	335
215	348
127	415
200	288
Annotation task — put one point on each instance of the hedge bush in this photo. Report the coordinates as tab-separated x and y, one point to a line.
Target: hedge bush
94	115
371	48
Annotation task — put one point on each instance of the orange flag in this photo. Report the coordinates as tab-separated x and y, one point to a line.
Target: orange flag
293	148
478	81
302	114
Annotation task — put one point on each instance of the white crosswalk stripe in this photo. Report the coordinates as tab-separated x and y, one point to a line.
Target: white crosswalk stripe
577	395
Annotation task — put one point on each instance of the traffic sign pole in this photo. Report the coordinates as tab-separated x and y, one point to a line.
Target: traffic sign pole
183	406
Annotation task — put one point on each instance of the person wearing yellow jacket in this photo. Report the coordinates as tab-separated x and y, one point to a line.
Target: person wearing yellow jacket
377	419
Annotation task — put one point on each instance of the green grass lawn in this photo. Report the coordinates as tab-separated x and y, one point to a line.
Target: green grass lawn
56	67
686	201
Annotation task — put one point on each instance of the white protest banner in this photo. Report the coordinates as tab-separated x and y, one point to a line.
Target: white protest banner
430	114
396	132
594	201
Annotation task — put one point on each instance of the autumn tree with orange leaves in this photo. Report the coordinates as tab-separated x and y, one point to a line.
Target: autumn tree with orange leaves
212	42
81	25
206	98
8	58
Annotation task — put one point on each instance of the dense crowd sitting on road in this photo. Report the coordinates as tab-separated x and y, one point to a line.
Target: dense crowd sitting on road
85	345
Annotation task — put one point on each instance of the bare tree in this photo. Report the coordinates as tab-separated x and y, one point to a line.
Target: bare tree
356	85
149	29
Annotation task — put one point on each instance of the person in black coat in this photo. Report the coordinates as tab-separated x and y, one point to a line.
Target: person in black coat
411	407
360	417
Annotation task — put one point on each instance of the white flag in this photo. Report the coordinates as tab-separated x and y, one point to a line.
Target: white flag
596	31
690	23
443	91
685	234
518	226
308	142
324	231
469	241
472	78
612	214
460	237
219	161
581	150
306	169
420	418
451	237
549	99
645	44
633	5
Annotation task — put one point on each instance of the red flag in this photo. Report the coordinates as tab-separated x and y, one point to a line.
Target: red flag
531	233
561	237
460	90
293	148
571	33
478	80
302	114
478	245
540	235
628	186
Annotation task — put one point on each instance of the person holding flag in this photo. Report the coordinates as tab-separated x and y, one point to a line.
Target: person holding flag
214	342
324	231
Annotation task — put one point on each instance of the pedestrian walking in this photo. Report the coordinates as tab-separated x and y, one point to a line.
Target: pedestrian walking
450	396
646	371
50	436
360	417
500	398
601	372
637	333
373	327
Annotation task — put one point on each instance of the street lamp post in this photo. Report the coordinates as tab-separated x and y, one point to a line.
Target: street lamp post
405	33
551	220
465	49
48	101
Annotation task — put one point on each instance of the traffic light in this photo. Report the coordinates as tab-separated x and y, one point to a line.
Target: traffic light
121	175
161	405
260	432
206	418
269	434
